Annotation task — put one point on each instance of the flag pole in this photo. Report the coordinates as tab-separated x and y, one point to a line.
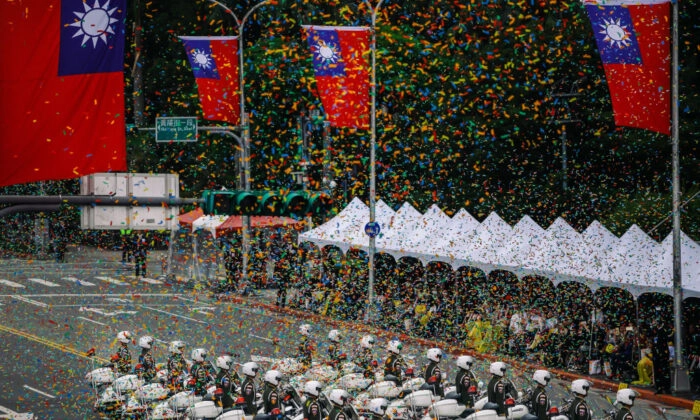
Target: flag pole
245	129
372	158
680	377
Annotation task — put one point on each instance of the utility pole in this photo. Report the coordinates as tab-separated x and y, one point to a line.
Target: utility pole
562	101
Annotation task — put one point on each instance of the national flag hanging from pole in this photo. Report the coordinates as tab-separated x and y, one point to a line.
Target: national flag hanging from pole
214	61
634	40
342	72
62	84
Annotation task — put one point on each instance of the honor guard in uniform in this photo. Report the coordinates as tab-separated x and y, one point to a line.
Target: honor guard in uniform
578	410
394	364
201	372
338	398
312	408
364	358
433	373
270	394
335	356
249	389
464	380
306	347
177	365
123	356
540	400
625	397
225	382
500	388
148	364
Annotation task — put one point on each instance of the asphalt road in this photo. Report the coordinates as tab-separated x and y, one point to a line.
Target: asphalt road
53	313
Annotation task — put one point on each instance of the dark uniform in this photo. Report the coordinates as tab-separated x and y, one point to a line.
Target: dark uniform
433	371
624	414
364	360
464	380
579	410
176	367
334	355
337	413
305	351
140	256
248	391
540	403
394	365
202	374
271	398
228	386
123	360
148	364
312	409
499	389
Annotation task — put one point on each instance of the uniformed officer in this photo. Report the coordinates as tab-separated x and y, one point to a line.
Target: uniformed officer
578	410
338	398
433	373
123	355
249	388
540	400
225	381
306	347
312	408
148	364
177	365
394	364
201	372
500	388
364	358
626	399
271	395
378	406
335	356
464	380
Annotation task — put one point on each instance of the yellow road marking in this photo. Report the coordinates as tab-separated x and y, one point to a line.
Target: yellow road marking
58	346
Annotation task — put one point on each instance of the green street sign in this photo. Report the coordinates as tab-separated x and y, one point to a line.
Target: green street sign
176	129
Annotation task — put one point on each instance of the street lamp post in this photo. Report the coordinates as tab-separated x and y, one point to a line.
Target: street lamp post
245	128
372	158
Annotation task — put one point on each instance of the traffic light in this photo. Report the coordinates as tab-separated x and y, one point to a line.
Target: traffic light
297	204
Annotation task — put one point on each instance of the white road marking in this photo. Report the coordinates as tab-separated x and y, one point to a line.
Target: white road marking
33	302
151	281
40	392
9	414
91	320
263	338
77	280
117	299
112	280
44	282
174	314
11	284
101	312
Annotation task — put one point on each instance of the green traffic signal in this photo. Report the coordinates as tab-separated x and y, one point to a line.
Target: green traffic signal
297	204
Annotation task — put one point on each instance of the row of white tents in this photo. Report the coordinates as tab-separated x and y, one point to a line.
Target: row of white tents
596	257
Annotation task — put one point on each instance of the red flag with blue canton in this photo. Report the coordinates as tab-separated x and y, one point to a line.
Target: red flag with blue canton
214	61
62	83
342	72
634	41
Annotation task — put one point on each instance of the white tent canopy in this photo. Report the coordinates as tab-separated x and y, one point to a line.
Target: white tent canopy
596	257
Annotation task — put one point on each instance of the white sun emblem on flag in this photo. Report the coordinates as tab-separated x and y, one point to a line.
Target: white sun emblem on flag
327	53
95	23
615	33
202	59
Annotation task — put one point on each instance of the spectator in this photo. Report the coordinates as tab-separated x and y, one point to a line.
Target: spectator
662	358
621	358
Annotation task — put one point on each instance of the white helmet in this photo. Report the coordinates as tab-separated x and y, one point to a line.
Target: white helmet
626	396
250	369
498	368
378	406
338	397
124	337
224	362
305	330
198	355
394	346
273	377
367	342
434	354
313	388
334	336
176	347
580	387
146	342
542	377
465	362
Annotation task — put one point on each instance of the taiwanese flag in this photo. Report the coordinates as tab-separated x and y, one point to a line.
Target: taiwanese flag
62	84
214	61
634	41
342	72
